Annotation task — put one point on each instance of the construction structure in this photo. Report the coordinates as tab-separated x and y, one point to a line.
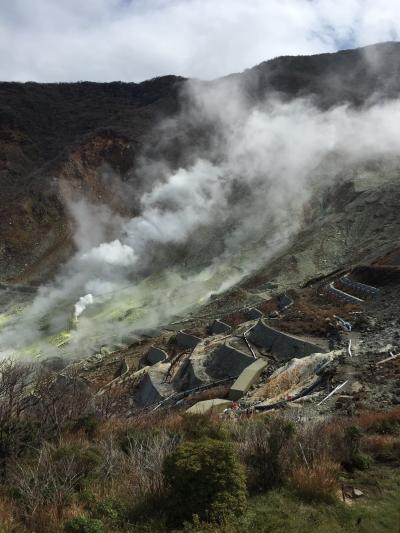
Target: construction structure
360	288
185	340
247	378
153	387
214	406
283	344
252	313
218	327
156	355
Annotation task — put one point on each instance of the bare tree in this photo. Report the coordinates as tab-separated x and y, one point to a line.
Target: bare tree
13	383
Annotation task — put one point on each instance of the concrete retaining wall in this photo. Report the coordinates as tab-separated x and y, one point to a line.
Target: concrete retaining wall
185	340
247	378
283	344
152	388
218	327
209	406
252	313
204	366
342	296
227	361
156	355
360	288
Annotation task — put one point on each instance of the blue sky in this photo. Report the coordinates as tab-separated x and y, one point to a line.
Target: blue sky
133	40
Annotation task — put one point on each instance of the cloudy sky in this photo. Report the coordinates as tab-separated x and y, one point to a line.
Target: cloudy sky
133	40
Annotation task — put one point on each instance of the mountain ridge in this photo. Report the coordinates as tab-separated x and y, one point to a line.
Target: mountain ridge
44	128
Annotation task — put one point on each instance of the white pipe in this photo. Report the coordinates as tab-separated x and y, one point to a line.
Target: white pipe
333	392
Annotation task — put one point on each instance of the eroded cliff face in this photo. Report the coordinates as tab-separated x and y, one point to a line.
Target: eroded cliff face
36	229
58	141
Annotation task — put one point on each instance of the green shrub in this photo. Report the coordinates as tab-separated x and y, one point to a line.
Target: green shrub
82	524
357	459
361	461
206	479
114	512
17	437
198	426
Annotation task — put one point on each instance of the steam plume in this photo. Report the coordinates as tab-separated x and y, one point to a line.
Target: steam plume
205	225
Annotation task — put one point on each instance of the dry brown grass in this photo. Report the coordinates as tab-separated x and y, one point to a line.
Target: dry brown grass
51	518
316	482
8	515
311	314
159	419
383	422
280	385
318	440
382	447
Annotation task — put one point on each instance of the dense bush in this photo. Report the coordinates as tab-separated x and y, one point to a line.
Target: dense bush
381	422
113	512
81	524
198	426
357	459
262	443
17	437
206	479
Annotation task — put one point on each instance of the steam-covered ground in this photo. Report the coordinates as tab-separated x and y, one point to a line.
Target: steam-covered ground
264	173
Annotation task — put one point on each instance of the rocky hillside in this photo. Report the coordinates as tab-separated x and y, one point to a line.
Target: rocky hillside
168	385
56	139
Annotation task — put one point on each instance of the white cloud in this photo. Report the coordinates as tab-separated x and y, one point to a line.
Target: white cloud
132	40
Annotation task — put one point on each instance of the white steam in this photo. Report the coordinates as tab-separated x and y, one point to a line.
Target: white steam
82	303
205	226
110	253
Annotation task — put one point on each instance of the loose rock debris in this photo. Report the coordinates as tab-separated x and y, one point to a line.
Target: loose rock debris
293	370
